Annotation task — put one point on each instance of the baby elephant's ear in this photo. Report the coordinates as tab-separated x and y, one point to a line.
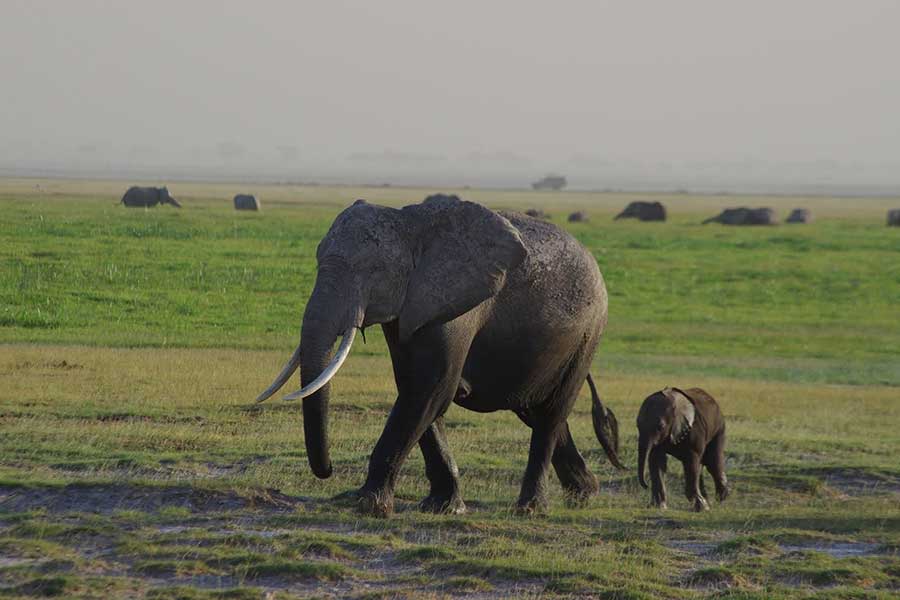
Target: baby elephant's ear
684	417
463	254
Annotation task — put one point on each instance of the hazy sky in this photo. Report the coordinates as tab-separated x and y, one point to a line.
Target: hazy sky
495	80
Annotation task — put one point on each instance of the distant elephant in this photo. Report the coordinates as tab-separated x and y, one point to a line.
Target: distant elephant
148	196
578	217
744	216
643	211
246	202
800	215
537	213
689	426
492	311
893	217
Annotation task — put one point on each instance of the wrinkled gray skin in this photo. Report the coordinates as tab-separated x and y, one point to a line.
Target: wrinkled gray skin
893	217
578	217
800	215
492	311
643	211
246	202
689	426
148	196
744	216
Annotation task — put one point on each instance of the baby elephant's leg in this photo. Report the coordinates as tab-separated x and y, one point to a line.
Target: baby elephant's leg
657	478
692	483
714	460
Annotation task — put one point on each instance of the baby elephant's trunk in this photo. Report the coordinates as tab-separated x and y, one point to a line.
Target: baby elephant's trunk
644	447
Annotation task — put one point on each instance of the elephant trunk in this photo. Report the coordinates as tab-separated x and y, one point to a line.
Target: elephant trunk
323	321
315	349
645	444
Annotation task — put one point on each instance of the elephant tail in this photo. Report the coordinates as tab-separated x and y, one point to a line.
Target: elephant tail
606	427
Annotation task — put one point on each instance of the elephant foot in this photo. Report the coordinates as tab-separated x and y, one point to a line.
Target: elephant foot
375	504
579	492
579	498
722	493
442	504
531	507
700	505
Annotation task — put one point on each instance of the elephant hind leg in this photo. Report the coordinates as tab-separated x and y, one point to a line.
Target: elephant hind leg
576	478
692	482
533	495
442	472
549	435
714	460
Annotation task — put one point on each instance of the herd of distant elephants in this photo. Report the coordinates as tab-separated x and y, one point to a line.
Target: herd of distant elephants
137	196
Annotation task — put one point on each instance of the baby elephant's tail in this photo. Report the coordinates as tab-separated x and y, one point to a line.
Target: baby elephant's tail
605	426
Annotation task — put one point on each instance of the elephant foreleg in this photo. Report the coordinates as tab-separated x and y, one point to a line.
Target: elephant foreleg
442	472
427	373
406	424
658	460
576	479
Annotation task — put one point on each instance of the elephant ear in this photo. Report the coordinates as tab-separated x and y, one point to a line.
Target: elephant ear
463	253
684	415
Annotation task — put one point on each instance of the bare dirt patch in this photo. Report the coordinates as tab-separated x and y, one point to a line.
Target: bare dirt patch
105	498
859	483
835	549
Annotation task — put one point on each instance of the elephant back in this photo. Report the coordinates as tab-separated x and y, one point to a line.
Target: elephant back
137	196
246	202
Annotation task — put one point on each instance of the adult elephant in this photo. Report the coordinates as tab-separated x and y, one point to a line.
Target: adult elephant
643	211
893	217
744	216
799	215
137	196
492	311
246	202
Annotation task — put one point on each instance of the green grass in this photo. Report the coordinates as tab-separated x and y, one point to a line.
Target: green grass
815	302
133	462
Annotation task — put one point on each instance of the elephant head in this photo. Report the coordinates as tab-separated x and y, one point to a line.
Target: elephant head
665	418
422	264
166	198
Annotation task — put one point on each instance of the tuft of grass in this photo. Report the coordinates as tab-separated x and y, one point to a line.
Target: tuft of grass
424	554
322	571
746	546
188	593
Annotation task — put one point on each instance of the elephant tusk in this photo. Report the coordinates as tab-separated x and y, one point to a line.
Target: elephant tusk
282	378
330	370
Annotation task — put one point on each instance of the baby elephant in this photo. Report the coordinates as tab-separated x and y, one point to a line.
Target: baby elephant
689	426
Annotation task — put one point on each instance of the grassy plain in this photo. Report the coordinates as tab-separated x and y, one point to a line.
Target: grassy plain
132	463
